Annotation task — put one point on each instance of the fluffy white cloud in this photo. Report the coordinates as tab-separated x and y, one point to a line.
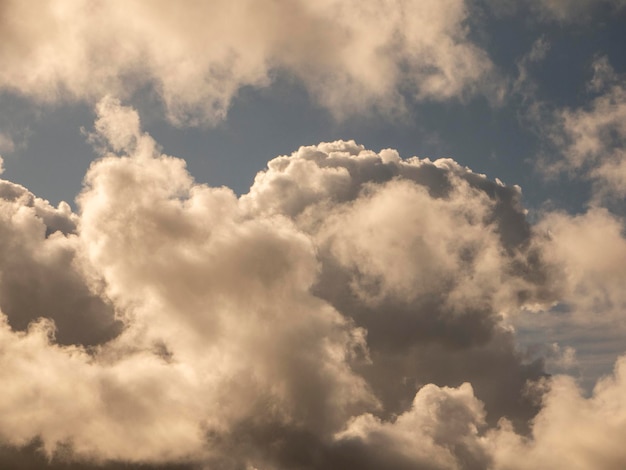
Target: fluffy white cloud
40	273
220	328
571	431
365	211
582	255
197	55
136	408
439	431
350	311
588	248
445	429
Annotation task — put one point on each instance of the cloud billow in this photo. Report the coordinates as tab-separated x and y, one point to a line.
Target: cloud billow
353	310
196	56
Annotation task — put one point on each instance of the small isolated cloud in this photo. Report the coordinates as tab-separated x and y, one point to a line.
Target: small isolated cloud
353	310
350	55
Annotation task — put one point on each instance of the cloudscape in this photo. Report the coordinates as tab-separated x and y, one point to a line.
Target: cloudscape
275	235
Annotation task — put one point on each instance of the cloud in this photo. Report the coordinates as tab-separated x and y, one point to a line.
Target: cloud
592	139
40	270
571	10
524	85
350	56
219	324
353	310
445	429
431	296
439	431
581	254
588	247
595	428
6	143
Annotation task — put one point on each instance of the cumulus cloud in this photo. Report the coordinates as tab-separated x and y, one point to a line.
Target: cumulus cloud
350	55
571	431
439	431
40	271
582	254
220	330
353	310
445	429
588	248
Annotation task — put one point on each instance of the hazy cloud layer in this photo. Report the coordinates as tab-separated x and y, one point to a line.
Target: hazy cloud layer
353	310
195	55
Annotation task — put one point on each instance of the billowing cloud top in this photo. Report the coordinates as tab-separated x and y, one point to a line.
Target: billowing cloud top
354	309
351	311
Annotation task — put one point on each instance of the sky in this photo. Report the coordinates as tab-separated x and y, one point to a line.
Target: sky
280	234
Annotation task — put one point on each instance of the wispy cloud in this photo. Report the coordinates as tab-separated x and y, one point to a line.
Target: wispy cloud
591	140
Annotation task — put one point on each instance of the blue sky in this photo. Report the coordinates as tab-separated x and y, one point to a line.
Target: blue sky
290	234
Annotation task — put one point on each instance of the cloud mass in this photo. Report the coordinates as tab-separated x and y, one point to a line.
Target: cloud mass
350	311
351	56
353	308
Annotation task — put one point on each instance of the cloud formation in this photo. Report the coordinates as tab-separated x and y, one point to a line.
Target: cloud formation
40	250
570	431
353	310
592	139
351	56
